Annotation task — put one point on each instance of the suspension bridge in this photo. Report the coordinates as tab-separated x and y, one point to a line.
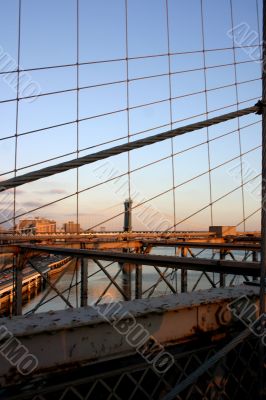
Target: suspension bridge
162	295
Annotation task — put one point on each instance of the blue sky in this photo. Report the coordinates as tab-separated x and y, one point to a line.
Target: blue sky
49	38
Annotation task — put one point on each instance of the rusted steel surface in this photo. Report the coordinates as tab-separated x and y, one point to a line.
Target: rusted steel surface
88	335
11	249
137	244
127	241
189	235
204	245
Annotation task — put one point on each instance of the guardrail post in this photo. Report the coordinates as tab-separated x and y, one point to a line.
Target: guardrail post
84	282
138	282
255	259
183	272
126	280
222	276
18	267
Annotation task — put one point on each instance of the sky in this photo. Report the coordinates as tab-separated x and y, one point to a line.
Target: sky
48	38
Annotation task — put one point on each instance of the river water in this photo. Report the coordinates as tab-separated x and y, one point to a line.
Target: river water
98	281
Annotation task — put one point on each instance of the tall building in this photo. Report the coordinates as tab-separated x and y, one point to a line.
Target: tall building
36	226
71	227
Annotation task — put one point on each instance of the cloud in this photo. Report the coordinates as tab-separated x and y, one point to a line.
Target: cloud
51	191
6	203
20	191
30	204
11	191
58	191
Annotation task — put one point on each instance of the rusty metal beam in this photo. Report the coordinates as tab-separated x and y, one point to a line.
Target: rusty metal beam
117	234
104	245
7	236
137	244
11	249
91	334
97	245
196	264
204	245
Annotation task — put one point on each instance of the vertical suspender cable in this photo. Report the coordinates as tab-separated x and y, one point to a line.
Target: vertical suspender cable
77	113
263	207
171	111
17	110
206	108
127	98
238	119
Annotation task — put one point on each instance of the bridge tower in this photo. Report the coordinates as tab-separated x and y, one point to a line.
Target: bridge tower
128	215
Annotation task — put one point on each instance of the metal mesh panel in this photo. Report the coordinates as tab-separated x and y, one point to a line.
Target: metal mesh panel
234	377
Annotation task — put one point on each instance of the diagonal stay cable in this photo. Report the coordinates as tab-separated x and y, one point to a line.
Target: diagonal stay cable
101	155
120	111
124	174
177	186
215	201
189	216
125	137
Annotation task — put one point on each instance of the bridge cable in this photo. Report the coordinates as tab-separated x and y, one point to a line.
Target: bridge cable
170	107
206	107
132	58
17	109
135	170
77	111
119	139
101	155
127	98
63	91
238	119
186	218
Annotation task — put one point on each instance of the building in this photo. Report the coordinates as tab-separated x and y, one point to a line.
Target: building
223	230
36	226
71	227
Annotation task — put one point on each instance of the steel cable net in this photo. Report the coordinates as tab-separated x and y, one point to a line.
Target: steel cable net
80	77
116	81
154	101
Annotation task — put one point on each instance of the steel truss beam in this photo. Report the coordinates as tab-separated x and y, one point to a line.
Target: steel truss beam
207	265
